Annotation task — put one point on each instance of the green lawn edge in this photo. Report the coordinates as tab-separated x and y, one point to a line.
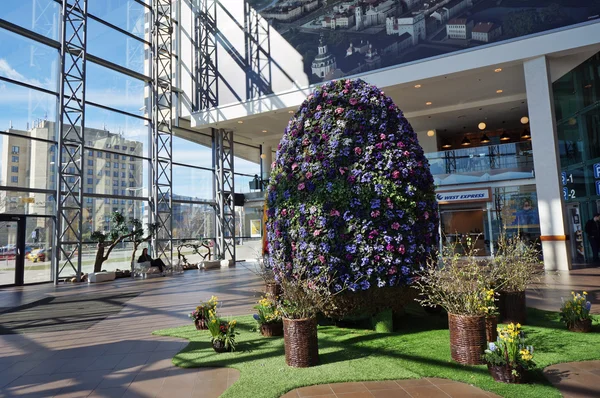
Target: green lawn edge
418	348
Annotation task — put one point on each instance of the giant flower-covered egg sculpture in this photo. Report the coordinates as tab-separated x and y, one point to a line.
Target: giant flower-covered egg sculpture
350	191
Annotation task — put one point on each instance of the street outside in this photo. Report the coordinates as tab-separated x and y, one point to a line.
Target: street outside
41	271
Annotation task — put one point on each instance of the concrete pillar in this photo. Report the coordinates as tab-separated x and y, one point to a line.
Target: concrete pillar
546	161
266	158
429	144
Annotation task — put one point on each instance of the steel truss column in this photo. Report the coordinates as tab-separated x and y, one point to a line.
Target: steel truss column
71	138
258	48
162	129
206	75
224	195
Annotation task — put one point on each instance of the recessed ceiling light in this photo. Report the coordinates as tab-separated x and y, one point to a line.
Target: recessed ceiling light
524	120
240	121
498	70
428	103
290	112
264	131
482	126
417	86
430	133
499	91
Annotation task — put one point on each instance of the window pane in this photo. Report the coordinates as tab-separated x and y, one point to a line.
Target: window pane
107	178
12	202
123	50
40	16
32	167
246	160
242	183
116	90
193	149
126	14
31	112
192	184
193	221
107	129
38	237
28	61
97	213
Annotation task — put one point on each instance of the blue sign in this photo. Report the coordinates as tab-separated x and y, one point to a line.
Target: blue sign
565	193
563	177
597	170
598	188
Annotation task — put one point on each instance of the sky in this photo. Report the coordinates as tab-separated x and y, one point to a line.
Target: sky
30	62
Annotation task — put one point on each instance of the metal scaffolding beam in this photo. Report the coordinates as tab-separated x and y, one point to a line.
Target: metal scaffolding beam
224	195
206	75
162	129
258	50
71	138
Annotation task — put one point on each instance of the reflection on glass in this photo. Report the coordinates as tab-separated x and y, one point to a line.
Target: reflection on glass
246	159
193	221
192	184
128	15
40	16
28	61
242	183
38	237
123	50
97	213
111	128
17	202
116	90
30	111
27	163
8	244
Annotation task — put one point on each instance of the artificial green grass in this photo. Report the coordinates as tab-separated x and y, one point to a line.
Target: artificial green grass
418	348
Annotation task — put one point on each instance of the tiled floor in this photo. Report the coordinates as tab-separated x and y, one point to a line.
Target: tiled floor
118	356
426	388
576	379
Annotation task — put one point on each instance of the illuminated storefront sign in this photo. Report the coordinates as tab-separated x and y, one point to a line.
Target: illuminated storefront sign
464	195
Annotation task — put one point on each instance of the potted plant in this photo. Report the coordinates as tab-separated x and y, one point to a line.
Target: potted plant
458	285
202	312
350	195
491	314
515	267
268	317
575	313
509	357
222	333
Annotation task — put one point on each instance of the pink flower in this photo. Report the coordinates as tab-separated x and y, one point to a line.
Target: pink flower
401	249
426	215
395	174
334	213
375	213
339	110
392	270
342	171
284	212
390	205
395	226
309	175
318	107
317	232
382	136
294	166
300	186
389	247
358	150
322	259
353	101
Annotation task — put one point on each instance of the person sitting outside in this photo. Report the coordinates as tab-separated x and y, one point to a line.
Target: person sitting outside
153	263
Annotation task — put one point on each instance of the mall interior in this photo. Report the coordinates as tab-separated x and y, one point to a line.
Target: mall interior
171	112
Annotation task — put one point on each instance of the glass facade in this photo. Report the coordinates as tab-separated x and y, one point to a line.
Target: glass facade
117	147
577	106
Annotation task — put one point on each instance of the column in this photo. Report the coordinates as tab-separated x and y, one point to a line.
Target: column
266	158
546	161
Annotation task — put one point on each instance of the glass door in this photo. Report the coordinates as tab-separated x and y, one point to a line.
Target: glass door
12	251
38	249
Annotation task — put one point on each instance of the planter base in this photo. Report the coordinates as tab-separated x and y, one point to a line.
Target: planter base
272	329
219	346
300	342
504	374
467	338
584	326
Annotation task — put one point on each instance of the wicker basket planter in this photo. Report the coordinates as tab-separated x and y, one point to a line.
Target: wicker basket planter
504	374
491	328
512	307
219	346
273	290
467	338
200	324
580	326
300	341
271	329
